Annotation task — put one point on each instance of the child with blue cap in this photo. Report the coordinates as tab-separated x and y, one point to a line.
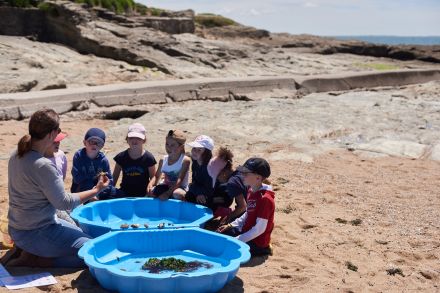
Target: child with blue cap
90	162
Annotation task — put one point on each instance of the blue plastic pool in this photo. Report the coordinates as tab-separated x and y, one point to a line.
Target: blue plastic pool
116	258
100	217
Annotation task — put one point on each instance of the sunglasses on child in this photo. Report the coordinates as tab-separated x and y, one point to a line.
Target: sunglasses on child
95	142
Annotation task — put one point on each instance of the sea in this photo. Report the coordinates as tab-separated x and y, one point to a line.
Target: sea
394	40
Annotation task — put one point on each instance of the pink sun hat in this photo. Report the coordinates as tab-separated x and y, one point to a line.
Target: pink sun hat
60	137
215	166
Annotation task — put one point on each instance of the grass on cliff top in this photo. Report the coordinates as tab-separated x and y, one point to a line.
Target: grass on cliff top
377	66
212	20
118	6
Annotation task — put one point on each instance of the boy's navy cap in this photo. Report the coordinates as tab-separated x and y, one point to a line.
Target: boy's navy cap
95	133
256	165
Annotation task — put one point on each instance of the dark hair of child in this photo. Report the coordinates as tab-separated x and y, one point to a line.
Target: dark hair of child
206	156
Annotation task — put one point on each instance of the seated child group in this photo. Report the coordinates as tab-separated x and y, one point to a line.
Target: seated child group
242	204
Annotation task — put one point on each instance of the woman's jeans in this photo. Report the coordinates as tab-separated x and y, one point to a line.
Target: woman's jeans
59	241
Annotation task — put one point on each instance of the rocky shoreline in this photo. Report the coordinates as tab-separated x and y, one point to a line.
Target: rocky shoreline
68	45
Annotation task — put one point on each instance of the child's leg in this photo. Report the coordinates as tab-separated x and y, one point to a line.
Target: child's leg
179	194
190	197
259	251
159	189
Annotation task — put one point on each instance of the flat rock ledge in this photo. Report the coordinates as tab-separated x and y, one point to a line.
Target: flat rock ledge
22	105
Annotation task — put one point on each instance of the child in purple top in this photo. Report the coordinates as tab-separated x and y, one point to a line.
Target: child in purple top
59	160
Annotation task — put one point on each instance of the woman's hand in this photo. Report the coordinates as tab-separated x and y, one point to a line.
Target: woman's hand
201	199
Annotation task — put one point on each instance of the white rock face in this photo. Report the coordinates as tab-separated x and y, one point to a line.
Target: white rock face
385	122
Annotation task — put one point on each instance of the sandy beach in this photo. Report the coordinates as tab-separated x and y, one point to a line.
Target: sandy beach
355	174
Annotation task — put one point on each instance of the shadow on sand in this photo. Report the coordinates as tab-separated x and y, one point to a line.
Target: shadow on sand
255	261
235	286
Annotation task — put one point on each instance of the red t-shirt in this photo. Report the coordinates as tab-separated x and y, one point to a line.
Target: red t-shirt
260	204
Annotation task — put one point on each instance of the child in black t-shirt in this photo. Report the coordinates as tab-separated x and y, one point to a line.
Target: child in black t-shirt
201	187
138	166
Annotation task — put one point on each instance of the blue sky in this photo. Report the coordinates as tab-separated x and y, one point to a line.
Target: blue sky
323	17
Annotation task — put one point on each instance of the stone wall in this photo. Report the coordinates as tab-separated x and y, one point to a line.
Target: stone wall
21	22
32	21
170	25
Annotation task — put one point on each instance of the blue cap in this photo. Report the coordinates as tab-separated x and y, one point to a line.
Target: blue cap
95	133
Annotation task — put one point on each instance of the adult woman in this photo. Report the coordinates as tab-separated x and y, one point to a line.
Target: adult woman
35	192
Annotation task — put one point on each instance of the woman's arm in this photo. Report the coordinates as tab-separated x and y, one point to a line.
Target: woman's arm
86	195
53	188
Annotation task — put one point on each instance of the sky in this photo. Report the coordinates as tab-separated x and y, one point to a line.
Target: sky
323	17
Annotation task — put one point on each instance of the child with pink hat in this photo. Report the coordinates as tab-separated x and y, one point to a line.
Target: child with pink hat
138	166
57	156
59	160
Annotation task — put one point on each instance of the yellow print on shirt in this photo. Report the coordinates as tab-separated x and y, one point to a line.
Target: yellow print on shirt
133	174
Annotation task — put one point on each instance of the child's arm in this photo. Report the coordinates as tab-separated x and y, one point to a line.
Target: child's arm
155	180
265	209
64	166
182	174
77	176
240	207
237	223
116	173
255	231
152	173
106	169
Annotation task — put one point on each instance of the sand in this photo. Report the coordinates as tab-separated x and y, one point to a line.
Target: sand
387	204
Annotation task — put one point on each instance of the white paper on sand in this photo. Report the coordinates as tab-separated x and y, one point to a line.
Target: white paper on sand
28	281
3	273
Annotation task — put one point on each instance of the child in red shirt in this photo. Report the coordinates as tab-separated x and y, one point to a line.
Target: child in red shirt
255	226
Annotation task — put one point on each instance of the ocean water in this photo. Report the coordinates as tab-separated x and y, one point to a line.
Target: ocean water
394	40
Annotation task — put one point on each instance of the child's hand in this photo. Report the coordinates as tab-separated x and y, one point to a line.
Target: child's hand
201	199
223	228
164	196
224	221
150	189
103	182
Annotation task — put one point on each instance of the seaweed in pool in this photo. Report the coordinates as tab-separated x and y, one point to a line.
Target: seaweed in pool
156	266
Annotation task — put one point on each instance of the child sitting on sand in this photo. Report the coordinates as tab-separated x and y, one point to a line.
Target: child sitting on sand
201	187
174	166
255	226
229	187
89	163
138	166
59	160
57	156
